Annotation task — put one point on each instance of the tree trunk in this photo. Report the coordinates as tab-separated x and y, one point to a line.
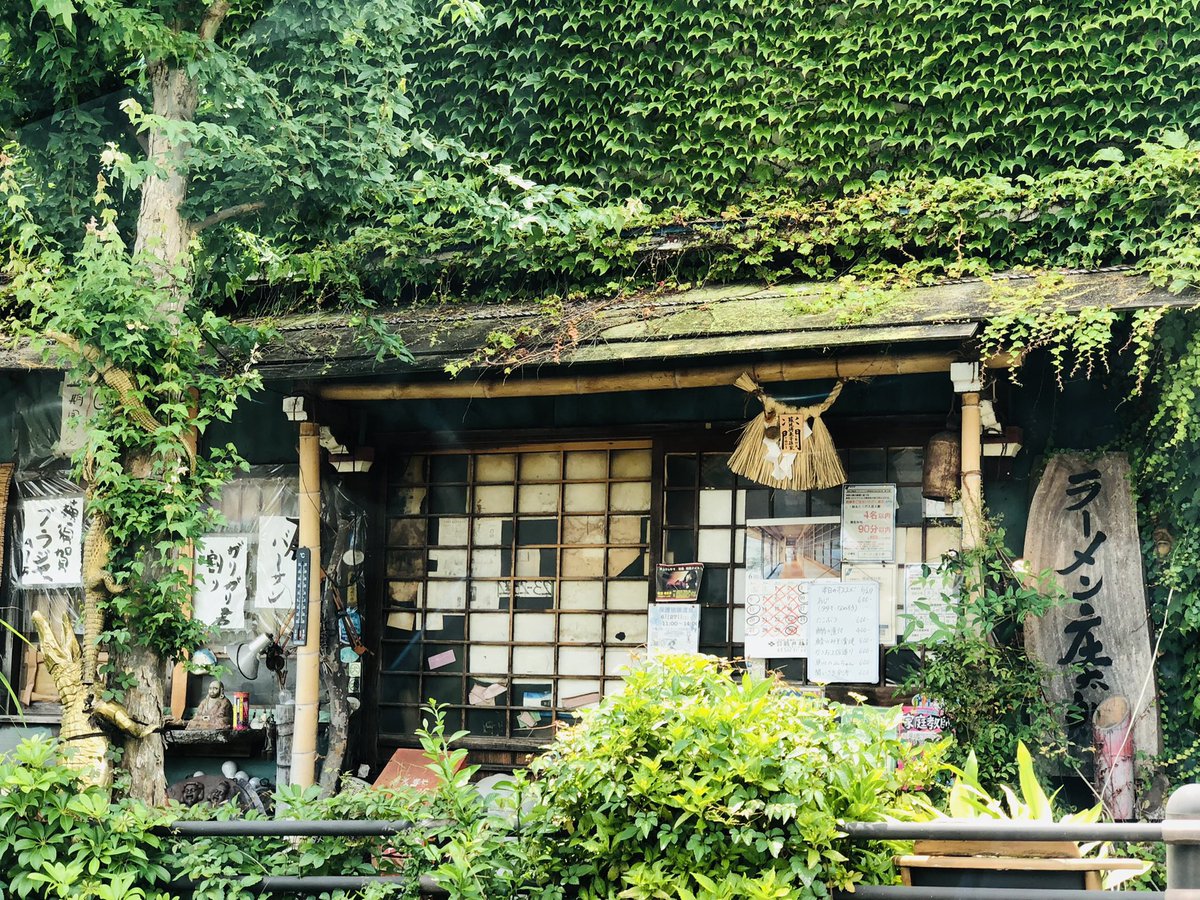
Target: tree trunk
339	720
143	757
162	235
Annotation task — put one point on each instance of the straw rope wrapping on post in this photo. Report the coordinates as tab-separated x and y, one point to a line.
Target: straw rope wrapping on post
787	447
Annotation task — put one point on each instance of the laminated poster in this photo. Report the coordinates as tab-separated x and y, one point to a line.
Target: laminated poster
673	628
869	522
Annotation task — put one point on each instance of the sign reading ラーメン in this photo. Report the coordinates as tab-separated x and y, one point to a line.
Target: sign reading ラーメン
1083	527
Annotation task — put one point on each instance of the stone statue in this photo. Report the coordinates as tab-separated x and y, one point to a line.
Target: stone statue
215	712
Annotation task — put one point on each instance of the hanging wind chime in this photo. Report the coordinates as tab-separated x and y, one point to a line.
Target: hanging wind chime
787	447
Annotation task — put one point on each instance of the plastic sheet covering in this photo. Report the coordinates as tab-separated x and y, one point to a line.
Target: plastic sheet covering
45	543
40	419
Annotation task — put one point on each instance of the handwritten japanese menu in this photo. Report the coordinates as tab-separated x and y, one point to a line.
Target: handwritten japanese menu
869	522
221	580
52	542
843	632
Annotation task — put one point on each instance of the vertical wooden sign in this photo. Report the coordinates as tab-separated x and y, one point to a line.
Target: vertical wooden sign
1083	526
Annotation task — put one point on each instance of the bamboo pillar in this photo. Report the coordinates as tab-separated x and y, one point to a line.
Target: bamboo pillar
308	656
972	472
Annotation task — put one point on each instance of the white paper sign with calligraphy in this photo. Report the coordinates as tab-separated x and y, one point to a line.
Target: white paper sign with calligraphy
843	632
869	522
220	595
52	542
274	570
1083	526
673	628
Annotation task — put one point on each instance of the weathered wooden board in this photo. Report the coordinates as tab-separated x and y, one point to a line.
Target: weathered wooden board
1083	525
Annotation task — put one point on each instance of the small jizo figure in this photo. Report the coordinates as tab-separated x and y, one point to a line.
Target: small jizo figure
215	712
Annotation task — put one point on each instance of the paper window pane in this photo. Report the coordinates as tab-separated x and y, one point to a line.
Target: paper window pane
584	498
406	532
739	625
632	496
939	541
405	563
625	629
540	466
405	593
494	499
583	530
627	595
489	627
739	587
579	563
631	464
533	563
489	532
714	546
451	531
587	464
487	563
617	661
447	563
485	595
408	501
583	628
716	507
628	530
628	562
447	594
740	509
613	687
579	661
489	660
583	595
533	660
501	467
534	627
739	546
538	498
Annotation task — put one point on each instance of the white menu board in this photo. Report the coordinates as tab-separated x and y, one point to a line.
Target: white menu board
673	628
843	632
925	595
869	522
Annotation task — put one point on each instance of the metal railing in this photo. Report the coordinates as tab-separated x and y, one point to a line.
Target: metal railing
1180	832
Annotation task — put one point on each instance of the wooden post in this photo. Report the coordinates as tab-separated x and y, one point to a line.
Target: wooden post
308	656
972	472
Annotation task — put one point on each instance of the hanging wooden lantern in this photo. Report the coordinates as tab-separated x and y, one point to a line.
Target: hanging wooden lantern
943	466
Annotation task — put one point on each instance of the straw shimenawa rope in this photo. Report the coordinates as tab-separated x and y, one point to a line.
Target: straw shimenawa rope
812	463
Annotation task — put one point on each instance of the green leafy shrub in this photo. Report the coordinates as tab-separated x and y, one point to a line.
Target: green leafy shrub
978	668
699	783
61	839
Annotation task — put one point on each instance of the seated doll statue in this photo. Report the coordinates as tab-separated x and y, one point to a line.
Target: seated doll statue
215	712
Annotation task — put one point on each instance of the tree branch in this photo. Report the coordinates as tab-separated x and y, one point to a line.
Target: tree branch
227	213
213	17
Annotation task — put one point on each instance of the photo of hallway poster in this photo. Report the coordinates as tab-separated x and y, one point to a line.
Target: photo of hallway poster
783	558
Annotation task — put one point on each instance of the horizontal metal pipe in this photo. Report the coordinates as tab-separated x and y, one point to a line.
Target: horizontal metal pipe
305	884
882	892
996	830
289	828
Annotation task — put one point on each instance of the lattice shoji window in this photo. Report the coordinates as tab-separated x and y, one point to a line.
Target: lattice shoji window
517	584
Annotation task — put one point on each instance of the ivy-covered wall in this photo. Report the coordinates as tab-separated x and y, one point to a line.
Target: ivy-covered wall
703	101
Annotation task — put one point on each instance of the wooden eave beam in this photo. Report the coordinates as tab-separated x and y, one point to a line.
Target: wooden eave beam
709	376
